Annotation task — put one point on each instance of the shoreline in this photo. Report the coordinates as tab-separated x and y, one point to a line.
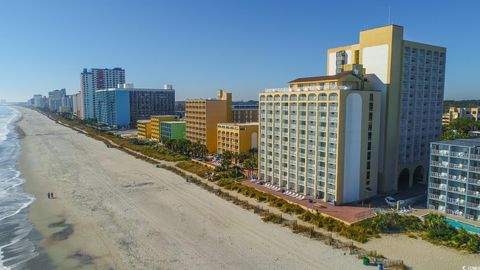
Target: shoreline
41	260
18	235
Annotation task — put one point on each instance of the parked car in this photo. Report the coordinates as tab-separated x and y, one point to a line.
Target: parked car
391	201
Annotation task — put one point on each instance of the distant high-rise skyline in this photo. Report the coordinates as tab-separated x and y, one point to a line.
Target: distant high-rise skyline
93	80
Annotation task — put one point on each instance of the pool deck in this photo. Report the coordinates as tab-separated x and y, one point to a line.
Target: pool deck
346	214
423	212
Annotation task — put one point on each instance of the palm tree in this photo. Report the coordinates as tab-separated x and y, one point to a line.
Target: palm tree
202	150
227	156
437	227
250	164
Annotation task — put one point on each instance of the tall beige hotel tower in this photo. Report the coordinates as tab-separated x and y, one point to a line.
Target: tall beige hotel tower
380	105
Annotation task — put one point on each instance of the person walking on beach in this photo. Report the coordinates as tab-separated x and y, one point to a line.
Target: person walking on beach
48	194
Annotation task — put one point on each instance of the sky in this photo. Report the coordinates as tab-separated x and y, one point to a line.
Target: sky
243	46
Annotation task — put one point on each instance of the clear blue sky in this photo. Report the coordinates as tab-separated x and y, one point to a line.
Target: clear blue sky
200	46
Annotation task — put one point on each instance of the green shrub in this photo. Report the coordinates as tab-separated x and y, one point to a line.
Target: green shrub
195	168
273	218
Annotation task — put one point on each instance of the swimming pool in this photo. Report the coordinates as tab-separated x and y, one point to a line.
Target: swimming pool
467	227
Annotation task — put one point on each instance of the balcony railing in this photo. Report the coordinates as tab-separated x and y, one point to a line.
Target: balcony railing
474	156
322	109
438	186
443	164
439	175
456	201
459	154
459	166
458	178
473	205
474	169
457	189
440	152
437	197
474	181
474	193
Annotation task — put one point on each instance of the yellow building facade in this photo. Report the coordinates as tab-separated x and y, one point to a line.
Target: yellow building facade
237	137
144	129
320	137
156	120
459	112
203	115
411	77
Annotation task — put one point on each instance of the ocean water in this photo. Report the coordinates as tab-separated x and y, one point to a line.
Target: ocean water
16	245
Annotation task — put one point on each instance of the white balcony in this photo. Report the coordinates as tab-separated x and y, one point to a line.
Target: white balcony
458	166
457	189
459	154
438	186
474	193
456	201
474	169
439	175
473	205
458	178
443	164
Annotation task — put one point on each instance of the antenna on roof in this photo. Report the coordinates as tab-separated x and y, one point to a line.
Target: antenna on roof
389	15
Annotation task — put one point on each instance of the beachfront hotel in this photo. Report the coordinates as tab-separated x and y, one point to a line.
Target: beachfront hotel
144	129
76	103
93	80
156	125
320	136
172	130
123	106
245	113
203	115
454	182
237	137
411	76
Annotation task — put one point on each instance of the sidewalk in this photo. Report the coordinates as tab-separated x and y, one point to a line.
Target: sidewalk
346	214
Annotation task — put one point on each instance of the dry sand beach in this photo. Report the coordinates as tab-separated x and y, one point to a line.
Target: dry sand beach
113	211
